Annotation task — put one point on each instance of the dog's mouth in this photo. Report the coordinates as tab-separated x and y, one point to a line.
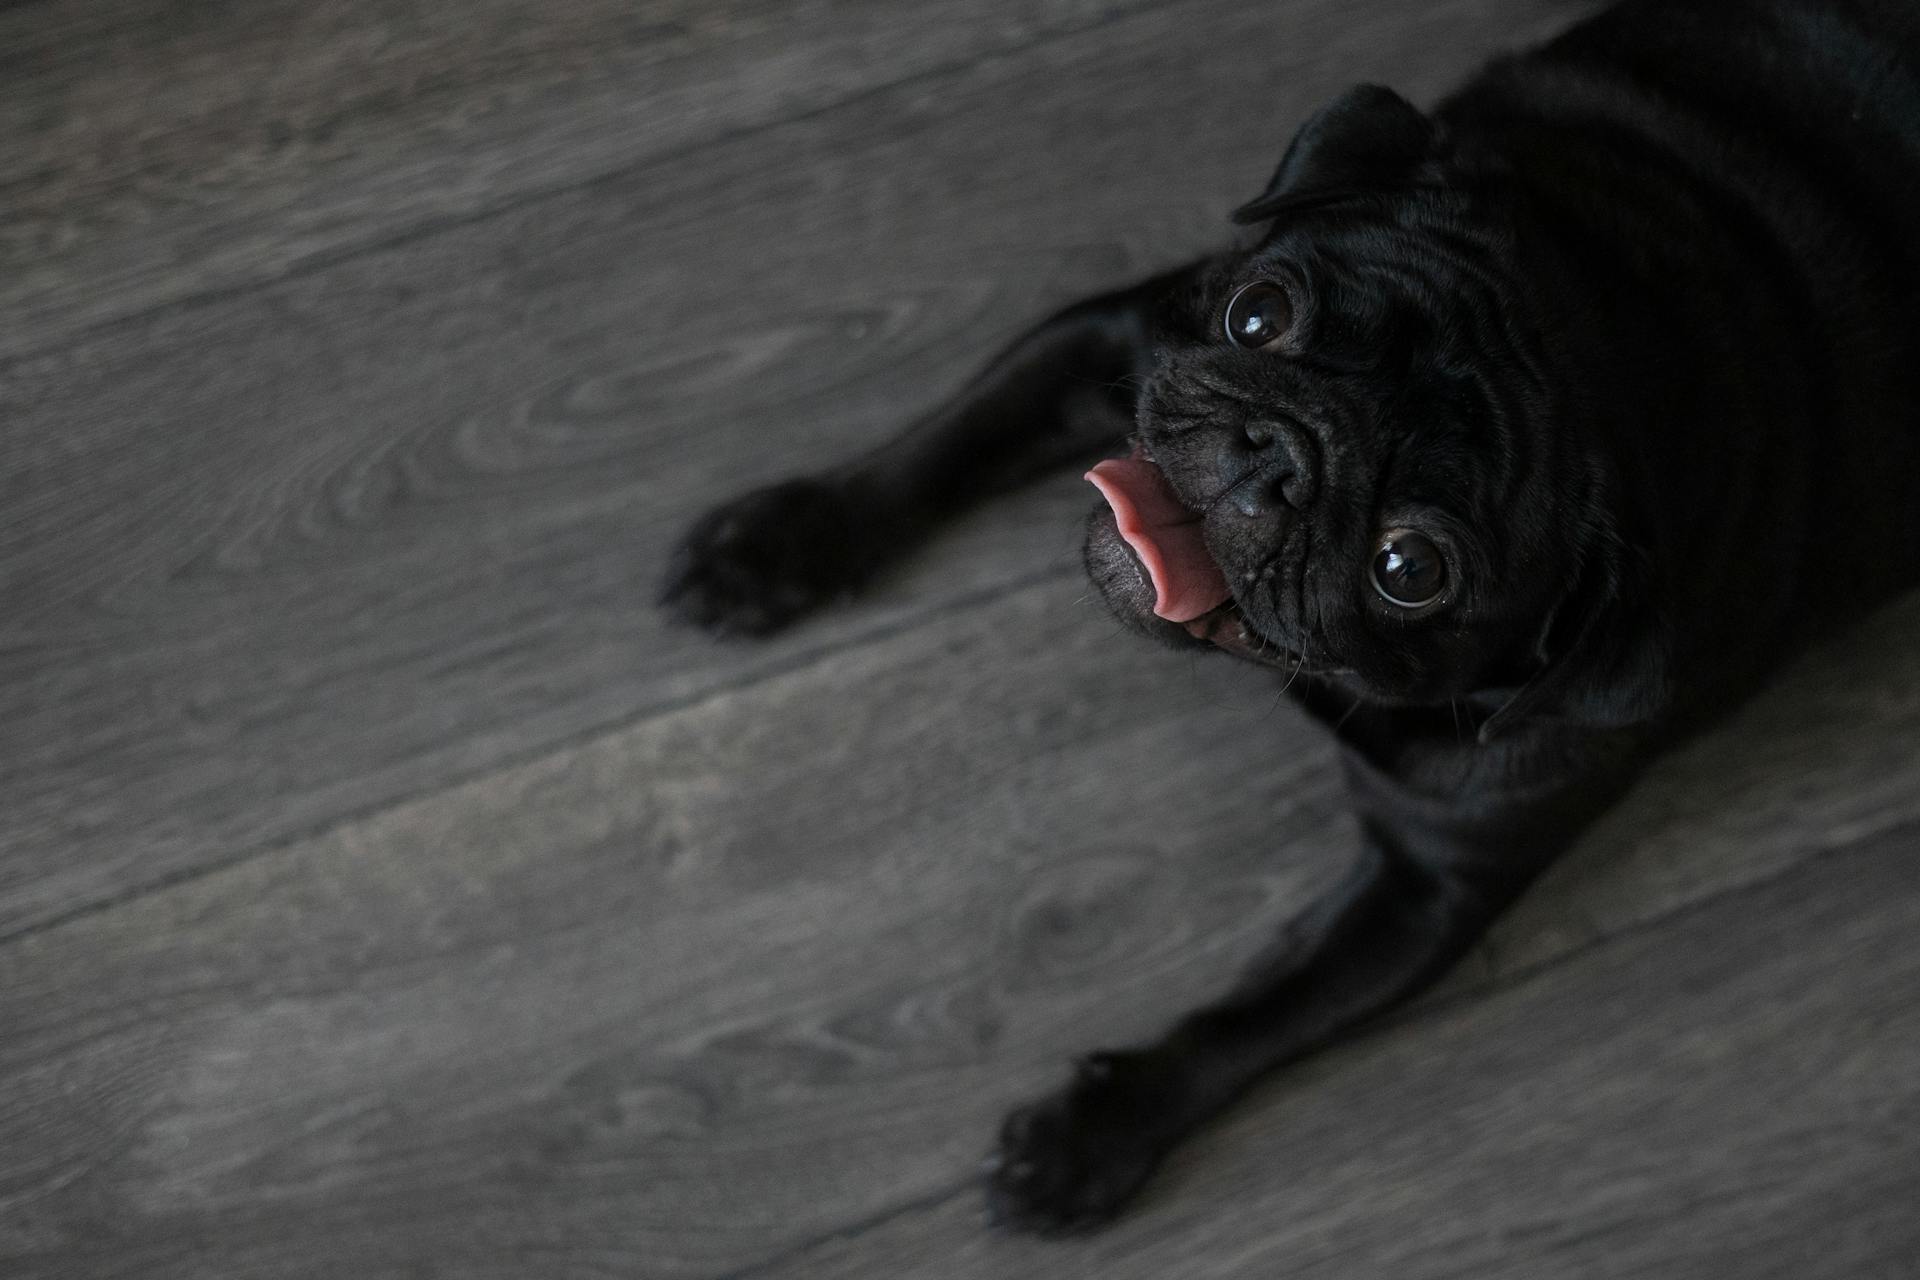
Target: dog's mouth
1166	537
1168	544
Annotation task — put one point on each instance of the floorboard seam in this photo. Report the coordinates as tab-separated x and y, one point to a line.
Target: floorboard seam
1412	1015
859	1227
773	670
324	259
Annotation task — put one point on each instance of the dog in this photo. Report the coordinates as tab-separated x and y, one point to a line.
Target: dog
1521	437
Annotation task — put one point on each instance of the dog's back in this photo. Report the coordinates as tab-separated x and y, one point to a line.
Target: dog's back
1761	159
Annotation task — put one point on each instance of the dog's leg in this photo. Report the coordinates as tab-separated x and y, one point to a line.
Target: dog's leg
1423	892
1062	392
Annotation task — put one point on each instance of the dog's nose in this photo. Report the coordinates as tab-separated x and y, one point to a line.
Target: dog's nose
1285	467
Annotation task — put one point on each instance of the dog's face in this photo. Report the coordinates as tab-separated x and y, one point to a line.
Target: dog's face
1350	456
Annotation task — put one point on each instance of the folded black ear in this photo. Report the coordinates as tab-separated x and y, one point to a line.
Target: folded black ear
1367	138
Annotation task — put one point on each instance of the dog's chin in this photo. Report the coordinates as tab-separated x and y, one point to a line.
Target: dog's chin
1124	583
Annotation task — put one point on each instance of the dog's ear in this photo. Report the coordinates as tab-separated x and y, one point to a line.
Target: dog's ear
1368	138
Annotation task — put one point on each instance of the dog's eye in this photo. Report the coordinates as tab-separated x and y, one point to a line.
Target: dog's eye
1408	569
1258	315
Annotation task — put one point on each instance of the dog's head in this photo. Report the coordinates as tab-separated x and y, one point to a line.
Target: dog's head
1354	454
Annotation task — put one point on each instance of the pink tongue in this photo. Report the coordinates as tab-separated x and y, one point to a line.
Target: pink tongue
1165	535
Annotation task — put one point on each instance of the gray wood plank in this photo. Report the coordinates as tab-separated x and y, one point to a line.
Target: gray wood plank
158	151
297	552
684	997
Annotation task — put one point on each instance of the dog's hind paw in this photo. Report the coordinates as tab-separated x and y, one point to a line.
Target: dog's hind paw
755	564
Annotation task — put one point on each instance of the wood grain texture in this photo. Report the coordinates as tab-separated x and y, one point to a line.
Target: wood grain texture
696	995
160	151
299	551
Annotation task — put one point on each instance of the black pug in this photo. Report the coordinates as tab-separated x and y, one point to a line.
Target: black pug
1528	435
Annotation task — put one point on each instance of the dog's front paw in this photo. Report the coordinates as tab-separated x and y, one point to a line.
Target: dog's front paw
1070	1161
753	565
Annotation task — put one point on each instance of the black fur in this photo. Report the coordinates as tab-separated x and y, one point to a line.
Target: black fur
1630	326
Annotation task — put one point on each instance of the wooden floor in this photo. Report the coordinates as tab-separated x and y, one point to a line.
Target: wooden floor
385	890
